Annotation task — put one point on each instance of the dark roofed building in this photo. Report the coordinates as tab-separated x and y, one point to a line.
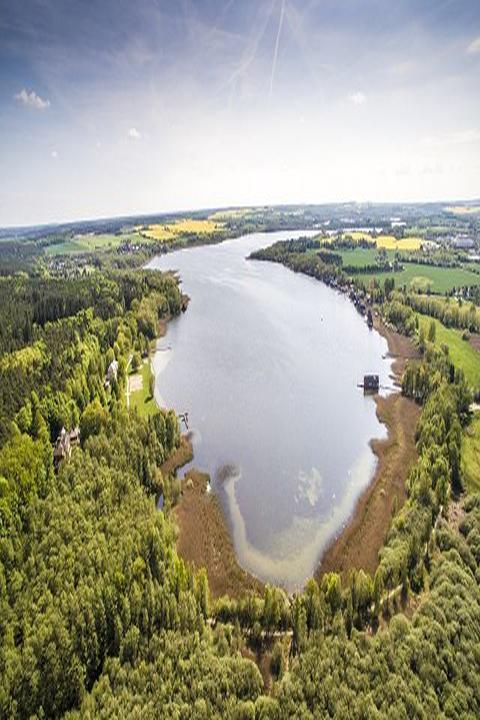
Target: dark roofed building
371	383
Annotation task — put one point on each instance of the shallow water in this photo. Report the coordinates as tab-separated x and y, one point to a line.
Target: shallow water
266	362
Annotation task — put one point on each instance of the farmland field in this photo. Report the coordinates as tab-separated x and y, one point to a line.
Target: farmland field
170	231
428	277
415	276
361	257
471	455
389	242
463	355
91	242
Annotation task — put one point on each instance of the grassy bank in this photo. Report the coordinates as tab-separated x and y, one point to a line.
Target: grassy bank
463	355
141	397
471	455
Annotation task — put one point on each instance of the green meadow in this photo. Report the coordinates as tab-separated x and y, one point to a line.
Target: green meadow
81	244
471	455
415	276
141	399
463	355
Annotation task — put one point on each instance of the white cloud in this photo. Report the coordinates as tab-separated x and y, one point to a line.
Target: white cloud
474	47
54	154
459	137
358	98
31	99
134	134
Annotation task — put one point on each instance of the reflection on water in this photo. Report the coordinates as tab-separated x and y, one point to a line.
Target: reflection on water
266	363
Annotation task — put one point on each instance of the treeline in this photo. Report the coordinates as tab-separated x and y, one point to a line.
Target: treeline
99	617
452	313
423	668
59	380
101	578
404	559
27	304
292	254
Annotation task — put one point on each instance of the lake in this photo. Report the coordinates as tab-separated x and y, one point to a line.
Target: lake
266	363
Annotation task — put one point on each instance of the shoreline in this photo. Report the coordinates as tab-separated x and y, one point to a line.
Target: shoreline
357	545
204	538
203	533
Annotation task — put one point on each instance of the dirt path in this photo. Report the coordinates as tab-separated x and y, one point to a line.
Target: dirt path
359	543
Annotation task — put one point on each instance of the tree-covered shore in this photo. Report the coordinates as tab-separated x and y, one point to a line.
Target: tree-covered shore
100	617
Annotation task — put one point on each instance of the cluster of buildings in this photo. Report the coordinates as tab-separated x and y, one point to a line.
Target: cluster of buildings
64	443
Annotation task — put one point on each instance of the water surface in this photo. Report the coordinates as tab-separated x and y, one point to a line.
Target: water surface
266	362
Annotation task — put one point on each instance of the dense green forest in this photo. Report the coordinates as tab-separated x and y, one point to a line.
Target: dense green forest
99	616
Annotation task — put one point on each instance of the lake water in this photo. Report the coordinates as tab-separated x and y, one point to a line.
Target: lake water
266	363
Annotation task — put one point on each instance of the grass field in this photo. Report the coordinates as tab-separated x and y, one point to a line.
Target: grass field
361	257
415	276
141	399
220	215
463	355
428	277
471	455
91	242
171	231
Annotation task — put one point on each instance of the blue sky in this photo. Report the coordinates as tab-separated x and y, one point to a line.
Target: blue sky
130	107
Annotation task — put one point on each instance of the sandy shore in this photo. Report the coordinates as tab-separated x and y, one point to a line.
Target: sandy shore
357	546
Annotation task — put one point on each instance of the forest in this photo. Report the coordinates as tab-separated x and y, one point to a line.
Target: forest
100	617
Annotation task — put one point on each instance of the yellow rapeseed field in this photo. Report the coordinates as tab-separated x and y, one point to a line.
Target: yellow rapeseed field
165	232
389	242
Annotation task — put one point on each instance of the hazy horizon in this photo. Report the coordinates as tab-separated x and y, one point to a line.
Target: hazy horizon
214	208
125	109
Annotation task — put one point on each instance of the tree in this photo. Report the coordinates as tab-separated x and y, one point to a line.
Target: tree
202	592
93	420
299	626
277	661
151	383
332	587
136	361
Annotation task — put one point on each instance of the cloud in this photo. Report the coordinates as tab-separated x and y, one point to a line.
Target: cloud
134	134
474	47
31	99
459	137
54	154
358	98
